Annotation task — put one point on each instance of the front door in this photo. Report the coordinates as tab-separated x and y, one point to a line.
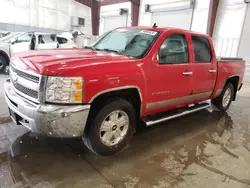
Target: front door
205	67
170	75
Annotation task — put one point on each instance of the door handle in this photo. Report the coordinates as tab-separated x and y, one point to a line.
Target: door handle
188	73
212	70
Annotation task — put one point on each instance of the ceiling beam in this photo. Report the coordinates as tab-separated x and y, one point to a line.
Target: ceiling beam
212	13
86	2
135	13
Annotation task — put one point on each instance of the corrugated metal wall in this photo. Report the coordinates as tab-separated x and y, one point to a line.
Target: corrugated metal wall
42	15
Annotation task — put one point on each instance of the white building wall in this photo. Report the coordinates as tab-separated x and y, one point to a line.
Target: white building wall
200	16
44	14
228	27
145	17
114	7
82	11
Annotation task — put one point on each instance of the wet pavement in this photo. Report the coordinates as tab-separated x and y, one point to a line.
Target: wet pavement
205	149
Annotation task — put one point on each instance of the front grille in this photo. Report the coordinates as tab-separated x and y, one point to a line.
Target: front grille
26	91
25	75
27	84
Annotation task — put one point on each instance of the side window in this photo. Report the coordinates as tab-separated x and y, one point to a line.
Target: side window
202	50
174	50
61	40
47	38
26	37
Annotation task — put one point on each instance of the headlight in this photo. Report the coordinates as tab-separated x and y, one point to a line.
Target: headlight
64	89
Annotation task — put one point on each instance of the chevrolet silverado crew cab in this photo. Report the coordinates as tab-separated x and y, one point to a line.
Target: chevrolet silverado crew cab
129	75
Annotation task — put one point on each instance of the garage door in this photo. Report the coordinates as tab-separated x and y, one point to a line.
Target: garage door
113	22
178	19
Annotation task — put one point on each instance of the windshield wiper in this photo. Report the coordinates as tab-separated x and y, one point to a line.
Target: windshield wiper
89	47
116	51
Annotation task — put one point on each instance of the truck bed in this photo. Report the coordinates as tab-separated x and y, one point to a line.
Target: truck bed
228	67
229	59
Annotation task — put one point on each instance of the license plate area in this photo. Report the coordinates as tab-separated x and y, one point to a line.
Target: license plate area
16	118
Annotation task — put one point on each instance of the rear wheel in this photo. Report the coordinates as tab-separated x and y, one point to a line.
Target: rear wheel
112	128
223	102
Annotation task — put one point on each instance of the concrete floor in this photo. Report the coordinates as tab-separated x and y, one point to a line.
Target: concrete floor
205	149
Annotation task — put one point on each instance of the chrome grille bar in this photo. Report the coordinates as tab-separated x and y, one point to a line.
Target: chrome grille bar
25	75
25	83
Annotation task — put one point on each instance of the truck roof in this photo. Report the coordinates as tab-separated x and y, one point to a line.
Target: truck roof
162	29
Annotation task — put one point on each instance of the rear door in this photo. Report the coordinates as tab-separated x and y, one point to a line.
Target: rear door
205	66
47	41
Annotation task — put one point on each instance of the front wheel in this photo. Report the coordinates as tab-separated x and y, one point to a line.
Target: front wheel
111	128
223	102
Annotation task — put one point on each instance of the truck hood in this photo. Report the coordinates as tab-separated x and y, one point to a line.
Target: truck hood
51	62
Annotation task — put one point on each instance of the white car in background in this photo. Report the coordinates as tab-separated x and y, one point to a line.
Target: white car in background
20	42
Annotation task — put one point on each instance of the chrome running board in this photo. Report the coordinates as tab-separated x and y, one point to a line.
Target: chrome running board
150	120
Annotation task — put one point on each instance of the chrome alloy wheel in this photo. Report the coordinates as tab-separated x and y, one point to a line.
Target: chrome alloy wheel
114	128
226	97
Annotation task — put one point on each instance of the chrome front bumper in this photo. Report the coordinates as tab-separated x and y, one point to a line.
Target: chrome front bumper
51	120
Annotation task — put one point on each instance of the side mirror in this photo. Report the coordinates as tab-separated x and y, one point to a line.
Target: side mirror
13	40
156	57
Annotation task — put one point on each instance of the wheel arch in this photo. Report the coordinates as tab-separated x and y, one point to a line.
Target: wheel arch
234	80
131	94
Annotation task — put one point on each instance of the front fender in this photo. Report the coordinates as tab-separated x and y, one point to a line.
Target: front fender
128	75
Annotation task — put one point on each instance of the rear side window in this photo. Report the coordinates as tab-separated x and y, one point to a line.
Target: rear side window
61	40
42	39
202	50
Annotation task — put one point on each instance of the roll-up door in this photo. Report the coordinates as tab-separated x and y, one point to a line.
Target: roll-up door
112	22
179	19
172	14
113	19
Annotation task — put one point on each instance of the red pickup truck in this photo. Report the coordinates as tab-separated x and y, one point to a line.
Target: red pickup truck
129	75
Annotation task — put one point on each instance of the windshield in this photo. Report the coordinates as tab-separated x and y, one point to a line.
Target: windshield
131	42
8	37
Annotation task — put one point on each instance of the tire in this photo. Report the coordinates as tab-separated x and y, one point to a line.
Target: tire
96	138
3	63
220	102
